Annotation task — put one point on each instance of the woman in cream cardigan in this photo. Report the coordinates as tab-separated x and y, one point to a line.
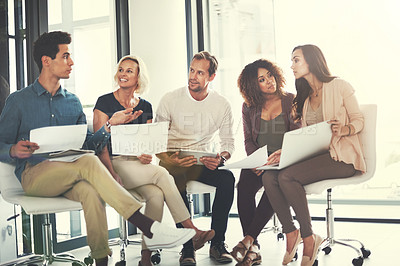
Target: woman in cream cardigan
320	97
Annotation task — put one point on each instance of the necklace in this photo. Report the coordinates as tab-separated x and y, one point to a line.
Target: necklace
317	93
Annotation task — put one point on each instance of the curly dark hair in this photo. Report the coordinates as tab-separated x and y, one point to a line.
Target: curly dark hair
248	81
317	66
47	45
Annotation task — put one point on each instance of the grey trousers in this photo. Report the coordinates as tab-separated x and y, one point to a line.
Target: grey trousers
285	188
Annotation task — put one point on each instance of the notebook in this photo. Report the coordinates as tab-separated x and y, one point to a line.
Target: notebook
303	143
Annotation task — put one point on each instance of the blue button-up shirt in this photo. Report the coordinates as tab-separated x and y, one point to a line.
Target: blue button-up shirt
34	107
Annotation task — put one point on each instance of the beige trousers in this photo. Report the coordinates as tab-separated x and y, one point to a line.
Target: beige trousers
136	175
154	184
88	181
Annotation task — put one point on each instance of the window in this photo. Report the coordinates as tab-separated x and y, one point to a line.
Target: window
359	43
240	32
93	32
94	54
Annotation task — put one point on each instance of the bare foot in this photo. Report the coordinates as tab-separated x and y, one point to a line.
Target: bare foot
308	245
291	240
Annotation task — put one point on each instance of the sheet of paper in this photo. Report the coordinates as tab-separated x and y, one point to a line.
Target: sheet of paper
68	158
139	139
254	160
58	138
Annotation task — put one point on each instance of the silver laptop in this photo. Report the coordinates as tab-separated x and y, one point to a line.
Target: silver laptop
303	143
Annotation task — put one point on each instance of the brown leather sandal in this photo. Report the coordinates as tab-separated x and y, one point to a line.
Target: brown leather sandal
239	251
248	261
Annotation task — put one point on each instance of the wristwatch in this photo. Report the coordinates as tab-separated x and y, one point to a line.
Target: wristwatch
222	161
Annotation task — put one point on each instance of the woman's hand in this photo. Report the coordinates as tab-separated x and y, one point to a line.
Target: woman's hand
338	129
257	172
124	116
274	158
145	158
117	178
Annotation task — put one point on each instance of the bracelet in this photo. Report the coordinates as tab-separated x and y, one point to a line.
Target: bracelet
349	130
108	124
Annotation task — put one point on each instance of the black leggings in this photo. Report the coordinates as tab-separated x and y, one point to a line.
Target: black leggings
222	180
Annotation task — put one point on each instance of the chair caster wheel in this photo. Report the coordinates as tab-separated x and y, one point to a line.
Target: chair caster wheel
156	258
88	260
295	257
327	250
358	261
365	252
120	263
280	236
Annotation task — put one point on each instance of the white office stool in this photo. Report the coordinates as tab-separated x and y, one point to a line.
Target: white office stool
276	228
196	187
12	192
368	141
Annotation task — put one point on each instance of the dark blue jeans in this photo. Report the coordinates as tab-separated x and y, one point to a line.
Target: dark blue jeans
222	180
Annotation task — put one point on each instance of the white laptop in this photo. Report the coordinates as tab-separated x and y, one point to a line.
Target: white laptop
303	143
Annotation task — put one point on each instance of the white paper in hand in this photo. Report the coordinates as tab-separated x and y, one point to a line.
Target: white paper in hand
254	160
58	138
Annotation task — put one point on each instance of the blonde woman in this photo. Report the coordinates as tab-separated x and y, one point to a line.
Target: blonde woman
152	182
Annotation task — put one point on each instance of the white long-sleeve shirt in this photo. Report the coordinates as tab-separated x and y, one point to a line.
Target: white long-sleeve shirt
193	125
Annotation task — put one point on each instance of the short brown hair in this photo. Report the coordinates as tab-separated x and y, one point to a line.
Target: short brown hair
47	45
210	58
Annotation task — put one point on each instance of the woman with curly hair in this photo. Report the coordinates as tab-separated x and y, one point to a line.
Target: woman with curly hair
267	115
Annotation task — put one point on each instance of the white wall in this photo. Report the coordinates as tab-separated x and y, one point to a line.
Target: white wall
158	36
360	40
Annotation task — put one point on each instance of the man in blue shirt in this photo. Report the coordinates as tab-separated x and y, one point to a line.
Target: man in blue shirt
46	103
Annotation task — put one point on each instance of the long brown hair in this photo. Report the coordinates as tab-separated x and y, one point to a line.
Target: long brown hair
317	66
248	82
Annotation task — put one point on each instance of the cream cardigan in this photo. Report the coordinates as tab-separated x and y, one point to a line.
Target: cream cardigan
339	102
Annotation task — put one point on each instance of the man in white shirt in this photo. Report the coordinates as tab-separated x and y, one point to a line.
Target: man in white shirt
196	114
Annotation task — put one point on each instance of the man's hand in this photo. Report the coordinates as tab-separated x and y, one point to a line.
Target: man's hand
174	159
23	149
211	162
145	158
124	116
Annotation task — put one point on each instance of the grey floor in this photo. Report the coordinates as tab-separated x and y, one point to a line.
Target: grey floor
381	239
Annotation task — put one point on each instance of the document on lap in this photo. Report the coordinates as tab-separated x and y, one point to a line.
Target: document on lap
137	139
254	160
62	143
196	154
